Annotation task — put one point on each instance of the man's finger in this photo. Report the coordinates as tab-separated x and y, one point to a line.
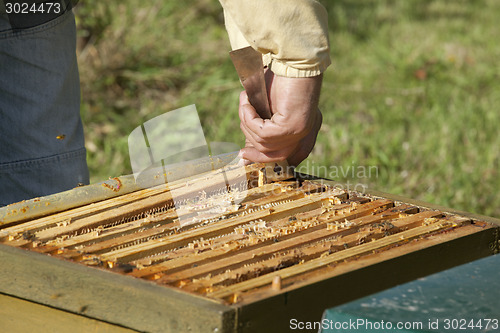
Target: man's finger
266	146
306	145
246	108
266	129
255	155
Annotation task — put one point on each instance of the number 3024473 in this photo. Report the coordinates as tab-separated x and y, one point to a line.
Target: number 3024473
34	8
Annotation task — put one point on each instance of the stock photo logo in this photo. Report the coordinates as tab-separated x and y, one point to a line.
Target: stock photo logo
172	146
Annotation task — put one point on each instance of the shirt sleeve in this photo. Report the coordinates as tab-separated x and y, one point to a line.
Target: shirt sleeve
291	35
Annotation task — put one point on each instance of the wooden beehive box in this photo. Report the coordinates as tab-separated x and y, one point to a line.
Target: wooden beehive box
245	252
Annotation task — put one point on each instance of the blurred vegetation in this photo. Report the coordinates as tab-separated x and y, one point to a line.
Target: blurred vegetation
414	89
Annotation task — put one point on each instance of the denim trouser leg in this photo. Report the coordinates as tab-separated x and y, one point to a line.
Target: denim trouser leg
41	136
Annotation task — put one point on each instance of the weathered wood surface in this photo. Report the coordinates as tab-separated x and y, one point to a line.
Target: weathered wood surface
253	254
306	298
115	187
428	205
228	270
21	316
330	259
109	297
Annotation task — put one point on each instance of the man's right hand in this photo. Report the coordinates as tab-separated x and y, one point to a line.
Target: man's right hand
291	132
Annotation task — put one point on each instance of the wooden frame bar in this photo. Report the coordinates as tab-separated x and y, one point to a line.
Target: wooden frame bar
121	300
268	302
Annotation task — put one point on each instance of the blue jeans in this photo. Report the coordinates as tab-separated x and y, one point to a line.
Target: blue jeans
42	148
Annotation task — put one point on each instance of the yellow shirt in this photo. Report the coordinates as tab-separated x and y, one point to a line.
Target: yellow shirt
292	35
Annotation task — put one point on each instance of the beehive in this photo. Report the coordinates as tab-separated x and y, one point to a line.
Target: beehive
247	252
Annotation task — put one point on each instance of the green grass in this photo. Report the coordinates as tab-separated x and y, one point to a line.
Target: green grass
413	90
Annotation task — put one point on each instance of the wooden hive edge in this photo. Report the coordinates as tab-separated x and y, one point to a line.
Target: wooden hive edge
423	204
402	199
432	254
44	318
360	277
145	306
106	296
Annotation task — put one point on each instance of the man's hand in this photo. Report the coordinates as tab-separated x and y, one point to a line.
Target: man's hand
291	132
